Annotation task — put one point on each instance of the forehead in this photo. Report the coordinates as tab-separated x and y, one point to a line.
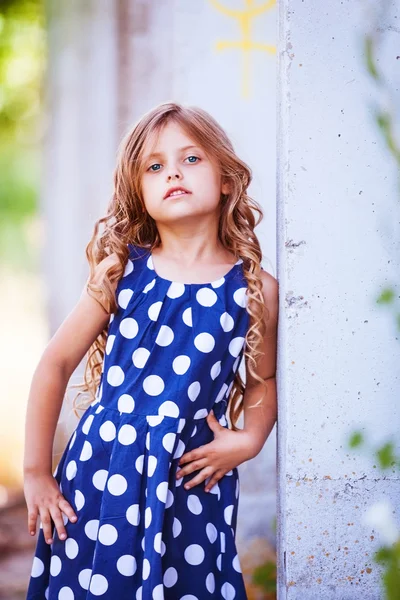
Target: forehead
171	138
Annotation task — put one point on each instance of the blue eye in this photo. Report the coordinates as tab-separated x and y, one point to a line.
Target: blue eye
187	158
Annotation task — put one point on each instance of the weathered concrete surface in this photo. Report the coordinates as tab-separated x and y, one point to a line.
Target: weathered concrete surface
338	350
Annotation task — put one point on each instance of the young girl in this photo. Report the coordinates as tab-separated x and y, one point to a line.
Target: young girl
143	503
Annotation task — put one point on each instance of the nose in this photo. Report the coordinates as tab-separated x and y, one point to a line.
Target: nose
174	175
173	172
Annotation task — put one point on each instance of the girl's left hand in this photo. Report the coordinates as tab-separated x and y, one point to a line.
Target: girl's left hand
228	450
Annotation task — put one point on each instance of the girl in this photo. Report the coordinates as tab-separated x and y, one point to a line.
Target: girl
143	503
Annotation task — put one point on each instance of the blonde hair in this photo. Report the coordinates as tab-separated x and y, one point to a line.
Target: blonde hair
127	221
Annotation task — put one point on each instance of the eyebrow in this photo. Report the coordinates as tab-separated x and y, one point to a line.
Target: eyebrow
155	154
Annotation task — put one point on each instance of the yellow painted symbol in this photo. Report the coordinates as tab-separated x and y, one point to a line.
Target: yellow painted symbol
246	44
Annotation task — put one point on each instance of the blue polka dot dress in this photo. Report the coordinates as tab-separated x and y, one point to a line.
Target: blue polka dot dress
171	356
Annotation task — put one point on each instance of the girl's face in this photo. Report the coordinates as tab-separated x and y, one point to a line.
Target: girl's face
176	161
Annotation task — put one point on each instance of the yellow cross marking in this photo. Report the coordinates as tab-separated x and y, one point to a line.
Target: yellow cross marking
246	44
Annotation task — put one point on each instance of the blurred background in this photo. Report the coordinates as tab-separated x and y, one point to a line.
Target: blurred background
73	77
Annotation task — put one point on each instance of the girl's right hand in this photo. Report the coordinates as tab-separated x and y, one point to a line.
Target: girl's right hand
43	498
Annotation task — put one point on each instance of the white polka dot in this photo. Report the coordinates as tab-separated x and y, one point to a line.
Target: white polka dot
110	343
71	470
115	375
219	562
210	583
236	345
221	393
162	490
133	514
99	479
84	578
236	364
98	585
66	593
200	414
153	385
87	451
194	504
71	548
129	328
215	370
139	463
88	422
218	282
194	554
168	441
117	485
46	593
179	449
206	297
176	527
194	431
187	316
181	424
148	440
236	564
79	500
228	514
91	529
240	297
150	263
228	591
165	336
175	290
108	534
151	465
126	565
146	568
127	434
204	342
55	565
147	516
107	431
181	364
222	538
139	357
170	577
226	321
149	286
139	593
154	420
72	442
168	409
157	542
126	403
188	597
215	490
158	592
154	310
124	297
170	499
194	390
211	532
128	268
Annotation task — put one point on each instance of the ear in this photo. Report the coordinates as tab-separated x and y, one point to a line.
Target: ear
225	188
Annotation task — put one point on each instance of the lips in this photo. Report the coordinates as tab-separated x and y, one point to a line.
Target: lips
176	189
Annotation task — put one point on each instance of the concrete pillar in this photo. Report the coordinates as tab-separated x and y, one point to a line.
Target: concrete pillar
338	351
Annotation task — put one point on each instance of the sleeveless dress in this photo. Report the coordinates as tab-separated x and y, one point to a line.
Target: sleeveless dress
171	355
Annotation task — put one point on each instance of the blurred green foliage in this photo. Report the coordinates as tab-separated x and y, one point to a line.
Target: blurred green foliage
22	66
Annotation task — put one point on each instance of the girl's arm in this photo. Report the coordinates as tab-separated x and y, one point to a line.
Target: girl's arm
60	358
259	421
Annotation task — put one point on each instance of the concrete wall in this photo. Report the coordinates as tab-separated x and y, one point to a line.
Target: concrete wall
338	351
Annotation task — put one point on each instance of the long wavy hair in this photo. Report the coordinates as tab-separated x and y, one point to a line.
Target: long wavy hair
127	221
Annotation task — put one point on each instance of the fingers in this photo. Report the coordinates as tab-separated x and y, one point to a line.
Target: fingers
47	524
58	522
204	473
214	479
193	466
67	509
32	520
